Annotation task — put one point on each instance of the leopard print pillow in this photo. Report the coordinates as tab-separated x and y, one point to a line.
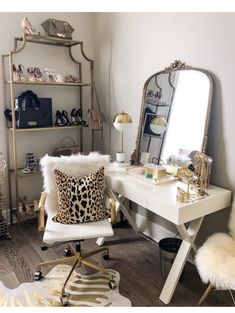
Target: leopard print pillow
80	199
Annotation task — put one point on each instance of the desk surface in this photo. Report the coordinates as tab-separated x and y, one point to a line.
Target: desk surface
161	199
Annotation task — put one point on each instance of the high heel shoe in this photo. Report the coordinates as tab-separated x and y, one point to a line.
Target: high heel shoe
66	118
28	28
35	74
31	163
30	71
38	74
21	72
16	76
71	79
74	117
81	121
52	76
62	119
59	120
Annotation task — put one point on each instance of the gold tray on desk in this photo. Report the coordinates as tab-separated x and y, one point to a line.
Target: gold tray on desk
133	171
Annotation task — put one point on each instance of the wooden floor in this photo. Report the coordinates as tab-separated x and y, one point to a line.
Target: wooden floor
131	254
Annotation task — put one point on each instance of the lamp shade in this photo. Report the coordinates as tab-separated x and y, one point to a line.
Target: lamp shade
122	121
158	125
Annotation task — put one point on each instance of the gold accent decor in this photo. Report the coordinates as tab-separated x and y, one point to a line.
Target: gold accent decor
203	171
41	214
186	175
122	118
197	180
206	293
177	65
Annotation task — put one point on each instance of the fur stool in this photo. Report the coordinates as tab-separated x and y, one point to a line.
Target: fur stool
215	261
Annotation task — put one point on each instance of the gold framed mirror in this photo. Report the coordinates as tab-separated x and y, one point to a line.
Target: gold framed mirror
174	115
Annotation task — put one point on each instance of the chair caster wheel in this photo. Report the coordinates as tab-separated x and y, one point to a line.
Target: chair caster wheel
112	284
37	275
106	255
64	300
68	252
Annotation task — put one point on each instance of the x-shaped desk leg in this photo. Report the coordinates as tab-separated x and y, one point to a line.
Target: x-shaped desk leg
188	236
121	206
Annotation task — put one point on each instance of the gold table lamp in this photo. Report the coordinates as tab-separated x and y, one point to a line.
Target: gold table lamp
121	122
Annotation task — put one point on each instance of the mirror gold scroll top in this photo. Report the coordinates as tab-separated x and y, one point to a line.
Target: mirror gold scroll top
180	96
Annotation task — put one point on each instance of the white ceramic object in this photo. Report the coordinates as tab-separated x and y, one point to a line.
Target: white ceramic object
120	157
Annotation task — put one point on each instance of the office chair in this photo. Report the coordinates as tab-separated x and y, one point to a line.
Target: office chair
75	165
215	261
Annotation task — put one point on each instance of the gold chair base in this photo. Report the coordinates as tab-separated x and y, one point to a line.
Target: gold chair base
77	259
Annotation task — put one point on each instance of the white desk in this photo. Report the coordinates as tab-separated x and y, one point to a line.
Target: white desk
161	200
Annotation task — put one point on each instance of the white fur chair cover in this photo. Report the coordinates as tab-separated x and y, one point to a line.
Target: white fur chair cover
76	165
215	260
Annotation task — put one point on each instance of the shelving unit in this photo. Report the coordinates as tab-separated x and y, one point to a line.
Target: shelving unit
57	128
49	83
14	174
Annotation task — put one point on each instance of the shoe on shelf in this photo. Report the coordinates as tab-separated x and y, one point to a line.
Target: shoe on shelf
31	73
59	120
8	115
16	76
28	28
31	163
38	74
52	76
21	72
81	121
76	117
62	118
66	118
71	79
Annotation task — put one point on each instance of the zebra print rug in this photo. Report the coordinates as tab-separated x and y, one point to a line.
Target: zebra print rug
82	290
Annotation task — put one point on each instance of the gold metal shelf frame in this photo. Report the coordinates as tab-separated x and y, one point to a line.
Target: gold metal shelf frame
19	45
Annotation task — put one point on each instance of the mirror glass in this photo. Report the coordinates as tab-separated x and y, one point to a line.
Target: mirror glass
174	114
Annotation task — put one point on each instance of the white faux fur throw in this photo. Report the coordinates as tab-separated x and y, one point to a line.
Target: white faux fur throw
75	165
215	261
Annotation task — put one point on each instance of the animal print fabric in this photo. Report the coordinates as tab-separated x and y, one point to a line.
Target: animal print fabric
80	199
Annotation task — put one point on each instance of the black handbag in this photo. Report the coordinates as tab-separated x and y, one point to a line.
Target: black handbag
32	111
58	28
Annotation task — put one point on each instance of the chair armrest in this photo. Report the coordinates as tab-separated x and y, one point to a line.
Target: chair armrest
112	206
41	212
112	210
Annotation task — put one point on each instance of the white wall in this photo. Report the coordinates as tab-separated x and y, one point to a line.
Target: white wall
129	47
44	56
